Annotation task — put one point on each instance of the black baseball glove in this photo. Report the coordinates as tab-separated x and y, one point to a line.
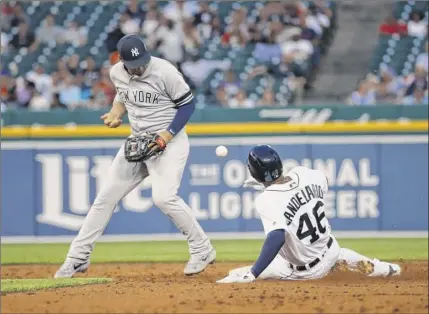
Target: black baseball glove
142	148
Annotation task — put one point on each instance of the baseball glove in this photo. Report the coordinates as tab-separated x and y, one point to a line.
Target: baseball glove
142	148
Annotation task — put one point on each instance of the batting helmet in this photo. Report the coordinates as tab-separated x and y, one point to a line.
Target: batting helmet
264	164
133	52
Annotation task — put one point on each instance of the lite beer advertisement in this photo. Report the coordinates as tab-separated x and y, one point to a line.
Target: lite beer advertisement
376	183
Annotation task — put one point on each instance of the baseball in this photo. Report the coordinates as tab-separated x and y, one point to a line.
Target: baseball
221	151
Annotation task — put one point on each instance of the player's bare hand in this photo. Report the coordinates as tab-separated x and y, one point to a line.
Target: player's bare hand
166	136
111	120
160	141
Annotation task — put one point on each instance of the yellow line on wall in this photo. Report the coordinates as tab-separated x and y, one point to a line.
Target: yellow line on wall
221	129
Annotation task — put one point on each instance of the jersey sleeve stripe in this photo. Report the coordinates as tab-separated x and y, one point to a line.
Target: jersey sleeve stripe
184	99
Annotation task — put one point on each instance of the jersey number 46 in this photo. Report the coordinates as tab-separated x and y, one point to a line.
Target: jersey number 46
306	224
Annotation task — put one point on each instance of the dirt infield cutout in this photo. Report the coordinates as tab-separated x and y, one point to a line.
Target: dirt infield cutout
162	288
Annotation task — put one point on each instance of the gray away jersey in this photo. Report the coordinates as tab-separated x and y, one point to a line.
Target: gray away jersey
153	98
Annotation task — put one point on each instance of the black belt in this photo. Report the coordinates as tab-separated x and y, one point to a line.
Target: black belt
315	262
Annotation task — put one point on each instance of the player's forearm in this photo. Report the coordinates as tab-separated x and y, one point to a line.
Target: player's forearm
182	117
272	245
118	109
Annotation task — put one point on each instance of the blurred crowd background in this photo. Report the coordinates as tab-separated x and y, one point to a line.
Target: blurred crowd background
234	54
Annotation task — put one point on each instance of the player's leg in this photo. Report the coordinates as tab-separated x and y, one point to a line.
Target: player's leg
166	173
122	177
351	260
278	269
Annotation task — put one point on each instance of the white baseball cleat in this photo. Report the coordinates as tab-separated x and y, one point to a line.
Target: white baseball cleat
197	263
377	268
69	268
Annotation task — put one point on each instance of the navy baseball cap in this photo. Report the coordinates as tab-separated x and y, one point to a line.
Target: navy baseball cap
133	51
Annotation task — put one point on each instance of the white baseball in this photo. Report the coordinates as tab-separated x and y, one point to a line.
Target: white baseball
221	151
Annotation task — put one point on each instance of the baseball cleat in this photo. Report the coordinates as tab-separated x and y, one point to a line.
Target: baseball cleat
366	267
378	268
69	268
197	263
394	270
342	266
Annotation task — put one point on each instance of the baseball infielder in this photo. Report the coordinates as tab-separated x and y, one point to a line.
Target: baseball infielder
299	244
159	104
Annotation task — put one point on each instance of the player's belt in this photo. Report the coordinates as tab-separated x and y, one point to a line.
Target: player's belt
313	263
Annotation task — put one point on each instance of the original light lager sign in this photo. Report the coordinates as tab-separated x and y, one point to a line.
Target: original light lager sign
366	174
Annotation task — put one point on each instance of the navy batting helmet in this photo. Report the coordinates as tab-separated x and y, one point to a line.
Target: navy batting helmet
264	164
133	52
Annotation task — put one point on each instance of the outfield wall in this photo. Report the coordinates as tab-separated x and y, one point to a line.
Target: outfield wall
378	183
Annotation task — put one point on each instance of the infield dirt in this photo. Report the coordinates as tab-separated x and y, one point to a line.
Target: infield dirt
162	288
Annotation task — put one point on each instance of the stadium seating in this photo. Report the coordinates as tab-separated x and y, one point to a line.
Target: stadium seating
101	17
400	52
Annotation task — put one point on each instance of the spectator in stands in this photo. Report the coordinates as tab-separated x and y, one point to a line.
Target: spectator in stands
179	10
135	11
42	81
191	38
85	89
75	34
237	32
39	103
19	16
24	38
422	59
419	97
113	36
56	102
417	26
197	69
221	97
240	100
24	92
207	22
267	99
4	41
128	25
391	26
418	80
48	31
291	15
149	5
6	15
390	85
103	90
73	65
69	93
309	18
285	68
167	39
7	87
230	83
363	96
90	71
150	23
298	48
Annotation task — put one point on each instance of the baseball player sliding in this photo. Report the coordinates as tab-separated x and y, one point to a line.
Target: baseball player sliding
299	244
159	103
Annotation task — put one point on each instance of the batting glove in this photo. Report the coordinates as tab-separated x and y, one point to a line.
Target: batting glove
246	278
253	184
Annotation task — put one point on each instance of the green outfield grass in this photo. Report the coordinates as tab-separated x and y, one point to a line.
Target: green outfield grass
177	251
25	285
